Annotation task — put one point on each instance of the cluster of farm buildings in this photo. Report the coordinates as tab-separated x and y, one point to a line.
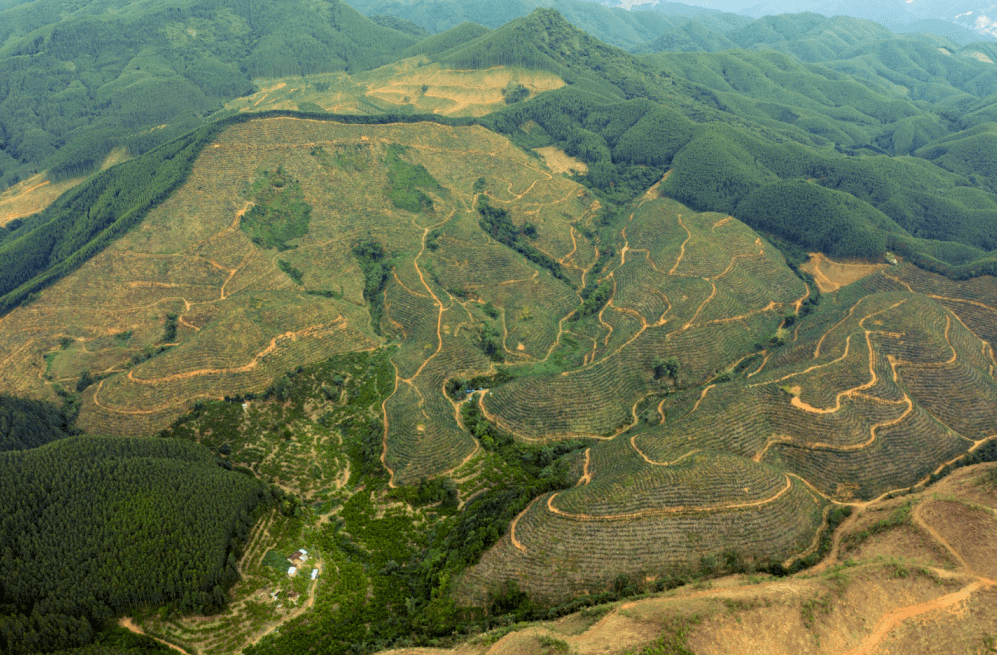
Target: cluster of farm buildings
297	558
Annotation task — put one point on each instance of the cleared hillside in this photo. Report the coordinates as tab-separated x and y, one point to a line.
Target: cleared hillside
413	85
239	320
517	324
912	574
887	381
296	240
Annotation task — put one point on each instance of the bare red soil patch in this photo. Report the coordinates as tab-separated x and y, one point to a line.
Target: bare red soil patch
831	275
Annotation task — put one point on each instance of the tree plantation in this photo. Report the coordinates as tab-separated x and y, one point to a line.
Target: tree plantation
95	526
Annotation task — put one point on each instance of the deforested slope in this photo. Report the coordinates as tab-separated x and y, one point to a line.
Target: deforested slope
507	289
490	387
192	308
903	574
889	380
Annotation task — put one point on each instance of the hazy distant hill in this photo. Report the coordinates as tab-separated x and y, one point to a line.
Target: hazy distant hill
960	16
624	29
808	36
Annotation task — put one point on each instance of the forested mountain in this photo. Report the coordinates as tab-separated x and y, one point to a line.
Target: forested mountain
619	27
117	523
72	87
76	84
807	36
745	120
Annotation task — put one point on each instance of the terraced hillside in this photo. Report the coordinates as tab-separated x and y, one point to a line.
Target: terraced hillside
887	382
238	320
912	574
723	405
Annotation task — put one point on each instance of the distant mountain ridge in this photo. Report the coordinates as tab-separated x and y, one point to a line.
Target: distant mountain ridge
975	16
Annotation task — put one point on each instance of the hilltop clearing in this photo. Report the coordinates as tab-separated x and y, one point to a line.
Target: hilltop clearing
410	86
831	275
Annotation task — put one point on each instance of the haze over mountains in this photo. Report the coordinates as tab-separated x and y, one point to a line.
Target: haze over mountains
322	332
977	16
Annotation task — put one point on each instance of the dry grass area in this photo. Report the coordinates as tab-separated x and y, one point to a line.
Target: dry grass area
871	604
31	196
831	275
36	193
560	162
415	84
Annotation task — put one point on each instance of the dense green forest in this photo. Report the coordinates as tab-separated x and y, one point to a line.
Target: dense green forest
94	526
119	641
630	30
28	423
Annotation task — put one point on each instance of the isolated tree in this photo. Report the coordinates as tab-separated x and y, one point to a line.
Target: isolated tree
666	368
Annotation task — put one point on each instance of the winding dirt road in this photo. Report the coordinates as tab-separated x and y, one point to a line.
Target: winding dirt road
131	626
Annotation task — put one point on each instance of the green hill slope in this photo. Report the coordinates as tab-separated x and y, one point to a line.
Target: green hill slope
452	38
691	36
810	37
75	86
767	101
619	27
